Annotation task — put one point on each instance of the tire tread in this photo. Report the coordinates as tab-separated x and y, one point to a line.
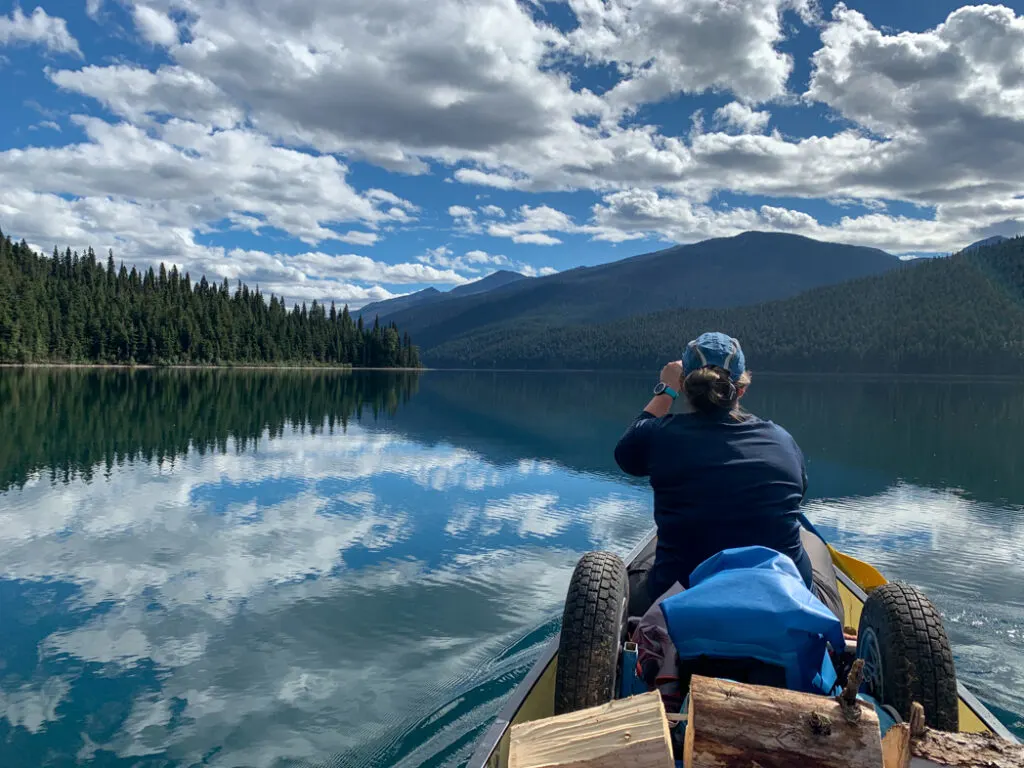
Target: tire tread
592	619
916	655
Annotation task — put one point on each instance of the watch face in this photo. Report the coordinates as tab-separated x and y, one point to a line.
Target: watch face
659	387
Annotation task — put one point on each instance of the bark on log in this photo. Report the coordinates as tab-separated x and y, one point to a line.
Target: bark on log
626	732
968	750
732	725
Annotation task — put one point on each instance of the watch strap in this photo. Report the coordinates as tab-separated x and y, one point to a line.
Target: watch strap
661	388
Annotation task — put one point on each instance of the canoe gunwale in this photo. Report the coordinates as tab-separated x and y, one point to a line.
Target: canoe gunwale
491	739
486	745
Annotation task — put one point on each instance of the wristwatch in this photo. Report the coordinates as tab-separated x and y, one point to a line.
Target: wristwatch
661	388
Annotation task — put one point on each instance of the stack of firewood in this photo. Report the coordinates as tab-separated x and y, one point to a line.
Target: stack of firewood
733	725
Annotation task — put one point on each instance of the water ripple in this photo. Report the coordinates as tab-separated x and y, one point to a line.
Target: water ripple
965	555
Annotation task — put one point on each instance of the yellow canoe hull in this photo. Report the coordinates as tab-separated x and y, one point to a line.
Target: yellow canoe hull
535	697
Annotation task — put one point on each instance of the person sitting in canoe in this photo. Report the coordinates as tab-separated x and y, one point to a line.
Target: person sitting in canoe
722	477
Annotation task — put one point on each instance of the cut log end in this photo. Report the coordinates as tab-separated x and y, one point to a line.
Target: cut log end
896	746
626	732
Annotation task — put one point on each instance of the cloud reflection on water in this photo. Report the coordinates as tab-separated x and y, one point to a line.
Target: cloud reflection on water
241	625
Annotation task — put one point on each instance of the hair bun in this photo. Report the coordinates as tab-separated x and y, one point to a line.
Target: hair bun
711	390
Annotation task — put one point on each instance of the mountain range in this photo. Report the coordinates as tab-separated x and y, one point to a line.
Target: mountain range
956	315
750	268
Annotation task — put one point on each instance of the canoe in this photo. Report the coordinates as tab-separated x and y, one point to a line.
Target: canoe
534	697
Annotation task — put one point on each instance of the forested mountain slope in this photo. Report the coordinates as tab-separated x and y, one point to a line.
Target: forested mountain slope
494	280
390	306
959	315
724	272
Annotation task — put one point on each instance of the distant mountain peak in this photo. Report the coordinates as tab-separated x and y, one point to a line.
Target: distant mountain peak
384	306
759	234
431	295
994	240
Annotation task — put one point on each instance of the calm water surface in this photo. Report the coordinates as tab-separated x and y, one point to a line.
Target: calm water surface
326	569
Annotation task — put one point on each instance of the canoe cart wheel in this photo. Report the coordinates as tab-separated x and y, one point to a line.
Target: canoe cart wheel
906	655
593	628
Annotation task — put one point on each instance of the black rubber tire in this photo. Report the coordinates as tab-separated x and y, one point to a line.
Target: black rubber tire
593	626
907	655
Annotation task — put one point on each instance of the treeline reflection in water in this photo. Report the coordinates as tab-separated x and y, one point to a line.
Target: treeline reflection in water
72	422
962	435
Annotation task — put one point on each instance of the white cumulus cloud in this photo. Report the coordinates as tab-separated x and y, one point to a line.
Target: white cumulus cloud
687	46
741	117
39	28
155	26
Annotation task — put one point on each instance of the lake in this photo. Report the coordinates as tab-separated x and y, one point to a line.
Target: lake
295	568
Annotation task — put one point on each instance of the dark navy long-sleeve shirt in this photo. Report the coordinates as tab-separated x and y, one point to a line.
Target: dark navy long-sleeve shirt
718	483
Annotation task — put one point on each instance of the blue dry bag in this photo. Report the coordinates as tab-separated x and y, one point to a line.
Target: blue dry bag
751	603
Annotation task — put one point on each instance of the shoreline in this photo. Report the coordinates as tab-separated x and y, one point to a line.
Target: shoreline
860	375
756	373
203	367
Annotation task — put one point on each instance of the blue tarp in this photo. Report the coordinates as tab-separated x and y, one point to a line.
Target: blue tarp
751	602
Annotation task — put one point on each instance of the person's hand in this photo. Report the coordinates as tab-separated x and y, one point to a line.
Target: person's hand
672	375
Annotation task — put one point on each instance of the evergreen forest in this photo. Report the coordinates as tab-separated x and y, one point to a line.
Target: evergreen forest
72	308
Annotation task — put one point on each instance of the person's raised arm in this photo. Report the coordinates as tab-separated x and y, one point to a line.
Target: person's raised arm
632	453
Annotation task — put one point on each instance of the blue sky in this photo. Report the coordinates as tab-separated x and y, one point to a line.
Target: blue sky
355	151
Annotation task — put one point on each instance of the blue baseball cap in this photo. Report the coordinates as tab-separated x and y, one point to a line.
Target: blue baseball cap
715	349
